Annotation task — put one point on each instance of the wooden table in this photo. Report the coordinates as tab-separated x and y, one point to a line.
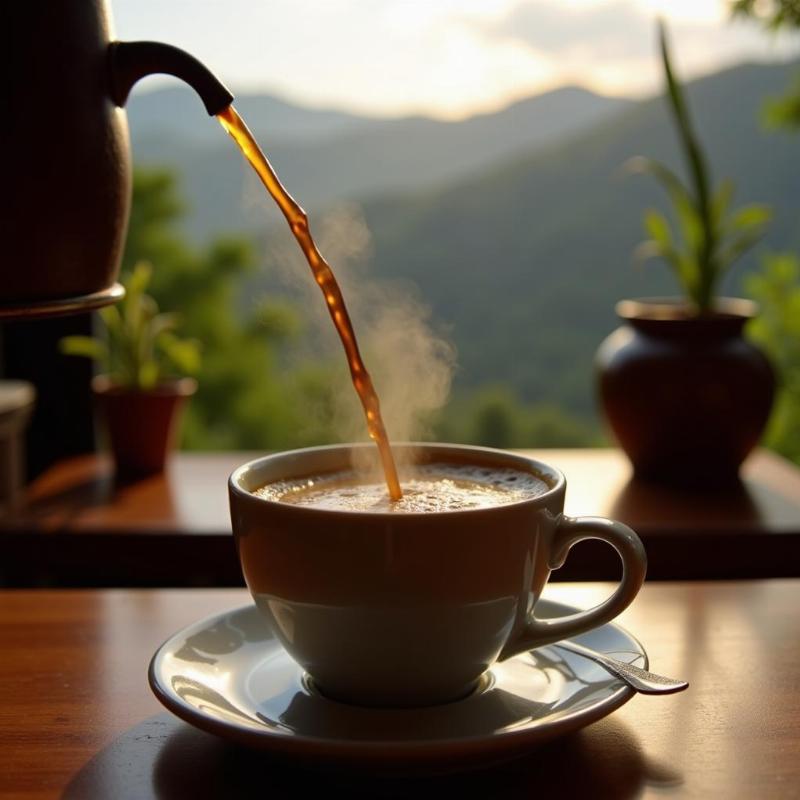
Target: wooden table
78	721
79	528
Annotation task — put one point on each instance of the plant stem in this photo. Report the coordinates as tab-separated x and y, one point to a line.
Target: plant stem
699	174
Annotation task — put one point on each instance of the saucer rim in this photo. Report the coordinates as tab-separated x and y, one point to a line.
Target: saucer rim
298	744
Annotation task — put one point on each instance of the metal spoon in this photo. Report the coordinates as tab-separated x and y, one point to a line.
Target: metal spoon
636	677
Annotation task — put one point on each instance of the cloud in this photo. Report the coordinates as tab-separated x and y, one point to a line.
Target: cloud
616	29
611	46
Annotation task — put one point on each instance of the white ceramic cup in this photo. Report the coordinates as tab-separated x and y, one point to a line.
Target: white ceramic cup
411	609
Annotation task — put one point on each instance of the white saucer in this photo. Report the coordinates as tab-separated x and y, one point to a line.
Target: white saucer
230	676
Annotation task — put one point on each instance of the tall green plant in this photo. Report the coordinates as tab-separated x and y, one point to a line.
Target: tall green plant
711	235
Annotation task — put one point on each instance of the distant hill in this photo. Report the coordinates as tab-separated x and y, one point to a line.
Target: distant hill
525	261
177	115
324	156
516	227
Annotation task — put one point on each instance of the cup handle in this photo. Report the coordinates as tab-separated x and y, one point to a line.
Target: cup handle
570	531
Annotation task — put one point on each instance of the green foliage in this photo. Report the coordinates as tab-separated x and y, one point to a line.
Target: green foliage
776	288
139	349
245	400
522	263
784	112
776	15
256	388
495	417
710	236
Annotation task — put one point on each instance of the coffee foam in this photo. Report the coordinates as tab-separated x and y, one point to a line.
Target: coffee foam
426	488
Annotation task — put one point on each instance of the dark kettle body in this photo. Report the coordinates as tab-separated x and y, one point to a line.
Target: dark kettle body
68	176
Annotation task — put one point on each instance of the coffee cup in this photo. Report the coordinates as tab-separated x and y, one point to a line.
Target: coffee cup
411	609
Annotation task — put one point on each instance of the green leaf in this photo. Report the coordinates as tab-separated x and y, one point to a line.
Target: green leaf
111	319
688	217
184	354
692	230
664	175
721	202
680	264
84	346
657	227
661	246
691	149
784	112
139	279
149	307
737	247
753	216
148	375
686	271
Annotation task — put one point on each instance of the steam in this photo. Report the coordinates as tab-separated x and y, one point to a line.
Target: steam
410	362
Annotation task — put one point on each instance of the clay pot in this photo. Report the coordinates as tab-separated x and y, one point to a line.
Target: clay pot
17	400
141	426
686	396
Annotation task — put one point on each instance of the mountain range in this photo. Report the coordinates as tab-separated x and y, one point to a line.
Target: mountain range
326	156
525	262
517	228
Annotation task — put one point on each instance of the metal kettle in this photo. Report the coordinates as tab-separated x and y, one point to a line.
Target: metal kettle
65	140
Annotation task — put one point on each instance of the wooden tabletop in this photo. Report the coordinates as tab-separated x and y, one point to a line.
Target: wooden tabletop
80	528
78	721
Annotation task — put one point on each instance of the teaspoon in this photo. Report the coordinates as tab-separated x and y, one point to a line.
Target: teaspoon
636	677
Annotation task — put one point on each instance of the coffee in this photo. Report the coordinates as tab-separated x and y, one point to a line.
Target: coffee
326	280
427	488
411	609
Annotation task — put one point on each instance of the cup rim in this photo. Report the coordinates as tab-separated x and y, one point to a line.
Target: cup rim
551	475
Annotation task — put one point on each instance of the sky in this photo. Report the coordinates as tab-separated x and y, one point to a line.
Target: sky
445	58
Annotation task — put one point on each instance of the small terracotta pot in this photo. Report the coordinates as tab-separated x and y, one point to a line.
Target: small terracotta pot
686	396
141	425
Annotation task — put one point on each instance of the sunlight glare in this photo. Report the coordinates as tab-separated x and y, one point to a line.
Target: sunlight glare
697	11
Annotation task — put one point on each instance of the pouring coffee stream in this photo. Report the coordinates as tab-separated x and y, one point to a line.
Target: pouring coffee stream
70	84
326	280
132	60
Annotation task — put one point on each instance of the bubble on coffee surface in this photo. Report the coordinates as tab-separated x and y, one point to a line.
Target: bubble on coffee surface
426	488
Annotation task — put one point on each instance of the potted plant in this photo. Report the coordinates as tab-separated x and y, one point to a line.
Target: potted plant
139	392
684	392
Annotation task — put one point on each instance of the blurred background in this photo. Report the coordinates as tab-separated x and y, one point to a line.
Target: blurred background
462	166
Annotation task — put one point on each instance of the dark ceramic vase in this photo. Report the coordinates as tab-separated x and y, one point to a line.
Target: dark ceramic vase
142	426
687	397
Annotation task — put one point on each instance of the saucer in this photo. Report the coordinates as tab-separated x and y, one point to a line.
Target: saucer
229	675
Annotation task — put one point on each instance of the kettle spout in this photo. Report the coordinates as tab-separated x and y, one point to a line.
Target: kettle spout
131	61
